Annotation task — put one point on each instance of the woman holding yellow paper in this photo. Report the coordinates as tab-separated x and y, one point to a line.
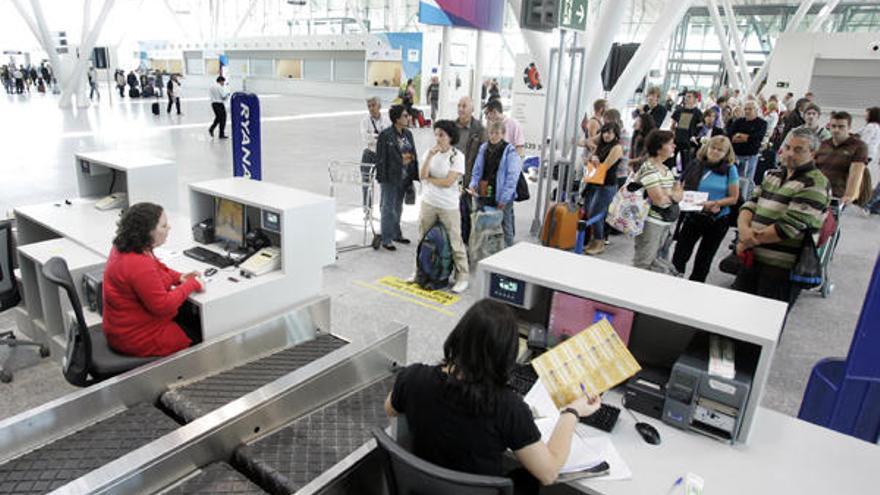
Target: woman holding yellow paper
463	415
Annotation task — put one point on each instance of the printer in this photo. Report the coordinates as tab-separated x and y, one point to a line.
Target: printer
704	403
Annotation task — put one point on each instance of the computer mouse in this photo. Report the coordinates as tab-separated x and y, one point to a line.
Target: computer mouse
648	433
210	271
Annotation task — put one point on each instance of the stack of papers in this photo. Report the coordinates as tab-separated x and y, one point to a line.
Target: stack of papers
589	447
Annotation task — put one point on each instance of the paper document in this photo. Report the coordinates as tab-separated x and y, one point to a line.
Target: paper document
585	452
540	402
693	200
591	362
619	470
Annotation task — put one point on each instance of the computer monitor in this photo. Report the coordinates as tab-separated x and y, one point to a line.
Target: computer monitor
229	222
570	315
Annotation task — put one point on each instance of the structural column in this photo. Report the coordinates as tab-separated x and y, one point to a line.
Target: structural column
733	74
445	69
477	85
609	20
737	43
672	14
823	16
791	27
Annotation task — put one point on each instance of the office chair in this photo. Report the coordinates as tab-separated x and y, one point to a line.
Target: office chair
10	297
406	474
88	359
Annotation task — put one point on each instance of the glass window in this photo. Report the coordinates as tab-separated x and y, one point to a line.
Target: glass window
349	70
317	70
289	68
261	67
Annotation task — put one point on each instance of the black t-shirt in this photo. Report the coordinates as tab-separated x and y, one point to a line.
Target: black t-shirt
687	121
449	437
658	113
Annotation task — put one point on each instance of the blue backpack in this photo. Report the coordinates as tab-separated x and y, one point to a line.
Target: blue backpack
434	259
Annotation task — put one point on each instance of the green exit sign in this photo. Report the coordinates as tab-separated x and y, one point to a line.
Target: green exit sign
573	14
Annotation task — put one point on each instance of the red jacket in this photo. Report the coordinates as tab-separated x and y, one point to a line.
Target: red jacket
141	299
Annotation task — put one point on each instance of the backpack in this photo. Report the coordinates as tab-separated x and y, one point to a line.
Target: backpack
434	259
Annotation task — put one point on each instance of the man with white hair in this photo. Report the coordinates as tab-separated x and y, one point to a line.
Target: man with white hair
470	136
746	134
371	126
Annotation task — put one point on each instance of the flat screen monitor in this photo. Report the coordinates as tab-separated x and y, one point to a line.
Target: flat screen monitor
570	315
229	222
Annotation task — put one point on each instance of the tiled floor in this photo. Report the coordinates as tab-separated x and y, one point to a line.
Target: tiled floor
300	136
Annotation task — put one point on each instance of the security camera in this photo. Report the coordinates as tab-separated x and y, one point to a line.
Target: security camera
874	47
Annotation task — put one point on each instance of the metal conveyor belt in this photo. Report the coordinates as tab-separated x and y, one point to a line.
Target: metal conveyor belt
290	458
59	462
199	398
216	478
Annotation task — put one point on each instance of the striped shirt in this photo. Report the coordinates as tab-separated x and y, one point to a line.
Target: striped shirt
651	175
792	204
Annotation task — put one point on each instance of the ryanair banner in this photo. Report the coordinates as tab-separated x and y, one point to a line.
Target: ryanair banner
246	154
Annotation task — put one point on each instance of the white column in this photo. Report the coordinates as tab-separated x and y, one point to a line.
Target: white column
477	85
732	72
247	16
823	16
791	27
445	79
671	16
737	43
47	38
608	21
537	42
89	44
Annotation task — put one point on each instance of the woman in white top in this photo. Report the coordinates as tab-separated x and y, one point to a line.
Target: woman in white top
870	134
772	118
440	172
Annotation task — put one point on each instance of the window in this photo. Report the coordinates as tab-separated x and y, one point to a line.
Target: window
261	67
289	68
349	70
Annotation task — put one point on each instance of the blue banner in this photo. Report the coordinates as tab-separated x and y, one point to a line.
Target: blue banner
246	153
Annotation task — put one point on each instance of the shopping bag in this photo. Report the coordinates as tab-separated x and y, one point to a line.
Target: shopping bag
629	208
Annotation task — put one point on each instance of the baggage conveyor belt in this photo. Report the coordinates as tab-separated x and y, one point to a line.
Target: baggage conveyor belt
292	457
216	478
67	458
197	399
70	457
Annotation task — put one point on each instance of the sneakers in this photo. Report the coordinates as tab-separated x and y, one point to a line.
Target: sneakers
595	247
460	286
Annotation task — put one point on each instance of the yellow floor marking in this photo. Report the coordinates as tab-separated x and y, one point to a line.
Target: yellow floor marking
434	296
404	298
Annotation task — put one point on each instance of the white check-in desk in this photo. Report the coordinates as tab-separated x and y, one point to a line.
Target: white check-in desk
773	454
141	176
305	239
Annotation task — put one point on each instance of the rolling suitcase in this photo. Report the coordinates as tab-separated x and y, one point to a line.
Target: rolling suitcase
155	108
560	226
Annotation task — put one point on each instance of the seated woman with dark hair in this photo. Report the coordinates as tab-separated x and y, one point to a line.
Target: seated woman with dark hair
462	414
142	295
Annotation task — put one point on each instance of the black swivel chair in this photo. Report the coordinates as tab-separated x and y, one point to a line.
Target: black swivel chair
10	297
89	359
406	474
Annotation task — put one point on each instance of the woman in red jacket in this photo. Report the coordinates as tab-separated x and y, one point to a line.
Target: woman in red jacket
142	295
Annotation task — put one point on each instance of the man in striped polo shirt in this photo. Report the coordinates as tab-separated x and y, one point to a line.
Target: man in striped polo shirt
790	201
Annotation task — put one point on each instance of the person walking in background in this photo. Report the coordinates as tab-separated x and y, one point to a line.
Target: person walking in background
93	83
664	193
120	82
433	94
496	172
173	91
218	93
746	134
440	172
396	160
132	81
713	173
160	83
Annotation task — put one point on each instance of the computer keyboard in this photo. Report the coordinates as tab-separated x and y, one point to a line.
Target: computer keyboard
207	256
524	377
604	419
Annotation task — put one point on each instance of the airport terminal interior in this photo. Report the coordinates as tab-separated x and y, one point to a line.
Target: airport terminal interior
297	314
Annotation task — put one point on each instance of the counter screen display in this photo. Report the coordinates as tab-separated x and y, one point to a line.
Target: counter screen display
507	289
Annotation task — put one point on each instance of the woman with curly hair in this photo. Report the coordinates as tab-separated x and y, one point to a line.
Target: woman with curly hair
142	295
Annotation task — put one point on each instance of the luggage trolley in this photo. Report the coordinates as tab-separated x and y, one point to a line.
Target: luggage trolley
828	239
361	175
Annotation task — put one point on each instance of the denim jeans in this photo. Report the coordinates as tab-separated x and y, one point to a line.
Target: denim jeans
874	204
508	224
746	166
392	207
597	202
